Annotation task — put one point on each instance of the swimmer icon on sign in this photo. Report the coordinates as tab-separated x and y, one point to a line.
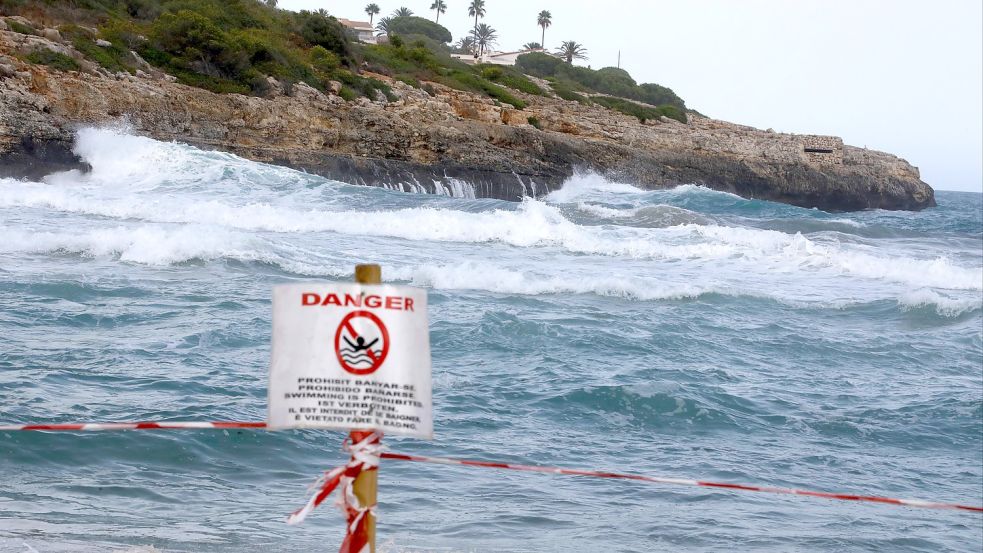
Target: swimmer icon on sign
361	343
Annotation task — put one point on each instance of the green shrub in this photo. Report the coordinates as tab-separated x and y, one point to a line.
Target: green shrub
492	72
54	60
419	26
643	113
412	81
218	85
319	29
113	58
122	33
509	77
146	10
324	60
608	80
534	122
20	28
196	44
538	63
347	94
565	91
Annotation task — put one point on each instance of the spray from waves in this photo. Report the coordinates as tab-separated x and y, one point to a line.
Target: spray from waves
127	163
588	184
585	185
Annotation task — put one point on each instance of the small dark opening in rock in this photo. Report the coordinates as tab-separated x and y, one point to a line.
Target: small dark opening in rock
818	151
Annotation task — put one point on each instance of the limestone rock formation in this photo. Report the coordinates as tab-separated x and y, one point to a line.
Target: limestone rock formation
427	139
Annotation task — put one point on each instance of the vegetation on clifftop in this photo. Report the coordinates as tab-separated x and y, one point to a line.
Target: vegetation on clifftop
238	45
575	83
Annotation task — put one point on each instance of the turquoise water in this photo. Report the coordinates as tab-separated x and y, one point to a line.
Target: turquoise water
684	333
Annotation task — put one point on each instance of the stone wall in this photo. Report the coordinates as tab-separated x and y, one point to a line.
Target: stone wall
822	150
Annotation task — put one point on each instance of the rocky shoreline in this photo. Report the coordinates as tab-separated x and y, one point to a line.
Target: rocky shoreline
434	140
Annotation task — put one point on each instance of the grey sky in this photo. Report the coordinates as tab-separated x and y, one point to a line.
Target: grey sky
895	75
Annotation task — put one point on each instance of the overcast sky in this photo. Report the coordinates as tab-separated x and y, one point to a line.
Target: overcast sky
901	76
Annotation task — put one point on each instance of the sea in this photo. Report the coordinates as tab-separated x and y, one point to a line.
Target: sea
684	333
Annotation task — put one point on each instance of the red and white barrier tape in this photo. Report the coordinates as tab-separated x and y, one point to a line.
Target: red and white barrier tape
488	464
365	457
680	481
95	426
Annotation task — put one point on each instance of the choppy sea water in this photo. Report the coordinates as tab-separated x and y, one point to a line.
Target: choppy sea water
685	333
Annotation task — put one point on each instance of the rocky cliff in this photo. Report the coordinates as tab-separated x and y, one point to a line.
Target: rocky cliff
427	140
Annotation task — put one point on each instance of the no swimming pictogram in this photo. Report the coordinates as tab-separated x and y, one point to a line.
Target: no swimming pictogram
361	343
375	374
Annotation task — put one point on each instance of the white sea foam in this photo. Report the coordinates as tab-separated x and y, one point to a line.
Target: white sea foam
606	212
943	305
481	276
170	203
531	224
586	184
847	222
149	245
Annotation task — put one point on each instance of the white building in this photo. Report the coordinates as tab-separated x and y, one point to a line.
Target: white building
494	57
363	29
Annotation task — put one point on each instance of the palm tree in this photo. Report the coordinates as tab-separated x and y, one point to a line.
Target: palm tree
476	10
382	27
532	46
544	19
403	12
484	37
466	45
441	7
570	50
372	10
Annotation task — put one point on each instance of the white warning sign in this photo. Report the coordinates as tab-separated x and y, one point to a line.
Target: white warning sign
351	356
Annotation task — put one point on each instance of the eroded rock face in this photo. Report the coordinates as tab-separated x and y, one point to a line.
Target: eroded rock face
431	140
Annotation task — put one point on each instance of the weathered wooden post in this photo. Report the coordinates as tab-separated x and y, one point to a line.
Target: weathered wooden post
367	483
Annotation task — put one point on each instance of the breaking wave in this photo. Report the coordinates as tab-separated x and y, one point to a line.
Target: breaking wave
158	203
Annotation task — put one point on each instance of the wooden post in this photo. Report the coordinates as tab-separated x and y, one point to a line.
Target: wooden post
367	483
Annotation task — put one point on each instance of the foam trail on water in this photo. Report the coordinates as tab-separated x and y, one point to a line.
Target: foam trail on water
148	245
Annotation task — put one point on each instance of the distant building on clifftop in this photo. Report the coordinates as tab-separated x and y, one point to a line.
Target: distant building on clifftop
362	30
496	58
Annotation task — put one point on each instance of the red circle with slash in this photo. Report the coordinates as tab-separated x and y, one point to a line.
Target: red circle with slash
358	357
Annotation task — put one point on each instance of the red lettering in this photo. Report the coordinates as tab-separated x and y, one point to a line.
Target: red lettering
397	303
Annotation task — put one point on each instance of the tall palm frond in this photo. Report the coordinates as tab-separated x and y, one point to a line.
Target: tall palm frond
476	9
466	45
544	19
372	10
440	7
485	37
382	27
571	50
